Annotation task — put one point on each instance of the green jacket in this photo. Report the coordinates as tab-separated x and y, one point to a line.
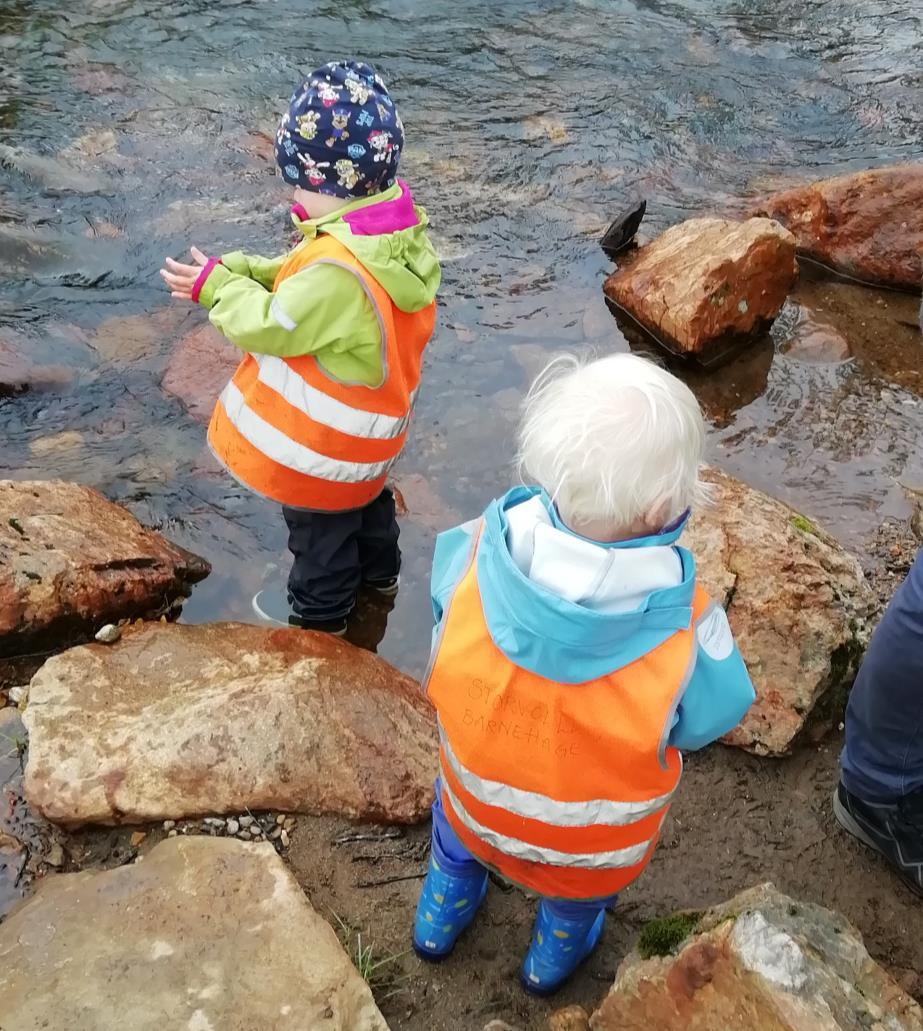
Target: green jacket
326	310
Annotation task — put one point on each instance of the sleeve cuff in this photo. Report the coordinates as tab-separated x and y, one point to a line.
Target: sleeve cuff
236	262
211	278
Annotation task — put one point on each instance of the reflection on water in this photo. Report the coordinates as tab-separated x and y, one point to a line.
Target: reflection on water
130	129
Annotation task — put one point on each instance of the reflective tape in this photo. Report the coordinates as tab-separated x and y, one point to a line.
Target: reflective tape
533	806
611	860
275	445
278	376
282	317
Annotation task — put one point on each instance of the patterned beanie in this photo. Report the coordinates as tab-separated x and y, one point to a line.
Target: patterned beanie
342	134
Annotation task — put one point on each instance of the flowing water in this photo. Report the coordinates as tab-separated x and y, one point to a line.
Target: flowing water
130	129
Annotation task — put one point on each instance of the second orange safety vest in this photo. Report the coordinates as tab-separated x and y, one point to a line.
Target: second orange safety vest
289	431
560	788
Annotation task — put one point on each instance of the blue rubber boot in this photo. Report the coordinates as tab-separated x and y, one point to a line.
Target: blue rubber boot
558	947
448	903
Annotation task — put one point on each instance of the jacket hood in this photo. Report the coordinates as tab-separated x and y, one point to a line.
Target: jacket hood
582	609
387	234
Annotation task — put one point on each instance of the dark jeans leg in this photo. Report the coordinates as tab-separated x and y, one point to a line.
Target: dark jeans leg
326	573
883	756
379	554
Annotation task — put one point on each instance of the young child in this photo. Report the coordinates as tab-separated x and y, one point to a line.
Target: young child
334	332
574	658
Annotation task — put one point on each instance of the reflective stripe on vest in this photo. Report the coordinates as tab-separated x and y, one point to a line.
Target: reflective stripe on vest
561	788
289	431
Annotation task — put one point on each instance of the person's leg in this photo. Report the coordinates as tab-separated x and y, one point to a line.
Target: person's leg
326	572
452	892
883	756
565	933
379	554
880	796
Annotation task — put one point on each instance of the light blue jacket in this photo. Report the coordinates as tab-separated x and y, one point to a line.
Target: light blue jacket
569	643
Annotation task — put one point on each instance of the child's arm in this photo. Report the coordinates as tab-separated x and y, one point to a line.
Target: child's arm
320	307
719	691
253	266
450	558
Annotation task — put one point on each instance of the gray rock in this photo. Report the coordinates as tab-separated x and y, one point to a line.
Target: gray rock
159	945
233	826
108	634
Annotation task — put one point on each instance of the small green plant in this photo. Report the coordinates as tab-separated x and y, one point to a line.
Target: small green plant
376	969
804	525
660	937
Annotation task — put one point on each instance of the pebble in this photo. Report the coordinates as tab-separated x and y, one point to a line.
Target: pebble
137	837
233	827
108	634
55	855
168	825
246	821
275	833
214	821
284	838
172	834
289	823
17	694
280	818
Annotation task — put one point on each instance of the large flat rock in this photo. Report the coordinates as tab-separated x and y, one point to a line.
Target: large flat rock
796	600
178	721
761	962
204	934
71	561
868	225
707	284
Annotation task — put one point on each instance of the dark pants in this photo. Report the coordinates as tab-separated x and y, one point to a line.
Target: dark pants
883	756
336	552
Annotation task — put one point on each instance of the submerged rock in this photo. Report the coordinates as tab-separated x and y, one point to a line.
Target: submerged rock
199	368
761	960
18	371
868	225
708	284
814	342
796	600
178	721
71	561
204	934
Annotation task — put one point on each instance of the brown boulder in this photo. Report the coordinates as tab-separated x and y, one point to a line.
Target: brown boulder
205	935
71	561
761	961
708	283
199	368
868	225
797	602
177	721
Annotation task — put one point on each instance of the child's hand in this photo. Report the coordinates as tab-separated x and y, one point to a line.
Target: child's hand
181	278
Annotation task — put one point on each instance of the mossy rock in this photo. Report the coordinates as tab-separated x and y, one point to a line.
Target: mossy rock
662	936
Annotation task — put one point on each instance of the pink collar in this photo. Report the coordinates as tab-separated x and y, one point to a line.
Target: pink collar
389	216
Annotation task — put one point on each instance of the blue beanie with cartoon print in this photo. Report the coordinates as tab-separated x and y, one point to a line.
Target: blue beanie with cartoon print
342	134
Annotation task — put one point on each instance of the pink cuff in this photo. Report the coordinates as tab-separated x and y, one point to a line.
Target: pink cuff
300	212
203	275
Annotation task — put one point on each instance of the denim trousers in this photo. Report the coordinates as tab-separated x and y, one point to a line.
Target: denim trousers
882	759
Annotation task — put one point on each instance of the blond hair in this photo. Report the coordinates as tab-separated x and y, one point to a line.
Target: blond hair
618	439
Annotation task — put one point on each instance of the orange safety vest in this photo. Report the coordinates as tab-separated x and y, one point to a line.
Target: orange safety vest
560	788
289	431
